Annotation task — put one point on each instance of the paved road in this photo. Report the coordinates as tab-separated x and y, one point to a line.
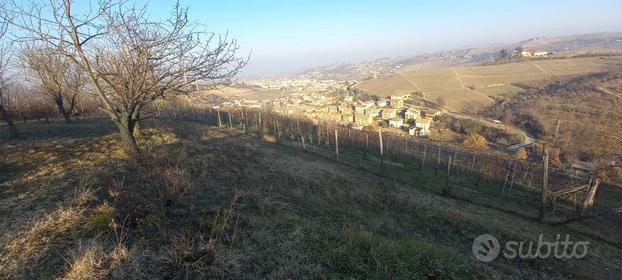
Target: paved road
528	138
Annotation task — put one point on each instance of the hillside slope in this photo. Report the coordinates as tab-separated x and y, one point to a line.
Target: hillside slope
472	88
262	211
566	45
587	109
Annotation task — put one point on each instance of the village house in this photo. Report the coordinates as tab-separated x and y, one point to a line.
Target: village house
540	53
411	114
422	127
397	123
363	119
360	108
372	112
526	53
388	114
532	53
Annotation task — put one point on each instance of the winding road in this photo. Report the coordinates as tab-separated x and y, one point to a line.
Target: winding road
528	139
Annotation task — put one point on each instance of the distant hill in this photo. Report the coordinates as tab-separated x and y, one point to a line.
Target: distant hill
565	45
472	88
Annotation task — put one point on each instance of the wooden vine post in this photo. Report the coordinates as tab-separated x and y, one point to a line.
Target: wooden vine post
591	195
336	144
230	121
302	137
425	152
545	182
381	152
405	154
512	179
278	132
219	121
259	124
438	160
447	188
242	115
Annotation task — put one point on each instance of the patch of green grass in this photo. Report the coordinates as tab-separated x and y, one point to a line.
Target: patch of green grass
363	255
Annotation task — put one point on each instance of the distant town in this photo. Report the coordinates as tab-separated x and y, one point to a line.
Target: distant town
334	102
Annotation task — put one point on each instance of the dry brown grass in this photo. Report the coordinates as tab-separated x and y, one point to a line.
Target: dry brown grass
243	208
42	235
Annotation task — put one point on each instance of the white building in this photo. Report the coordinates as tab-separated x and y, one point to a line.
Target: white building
422	126
411	114
540	53
397	123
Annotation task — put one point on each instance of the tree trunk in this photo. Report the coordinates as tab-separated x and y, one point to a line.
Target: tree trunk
67	117
9	122
61	109
126	132
12	129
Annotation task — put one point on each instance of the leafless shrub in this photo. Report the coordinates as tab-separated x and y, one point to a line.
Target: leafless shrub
168	175
158	182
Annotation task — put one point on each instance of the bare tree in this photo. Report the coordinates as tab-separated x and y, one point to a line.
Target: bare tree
5	87
56	77
129	59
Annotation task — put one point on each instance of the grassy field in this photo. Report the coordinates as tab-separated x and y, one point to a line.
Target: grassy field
73	206
473	87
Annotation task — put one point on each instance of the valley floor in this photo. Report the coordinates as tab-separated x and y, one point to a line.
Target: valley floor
212	202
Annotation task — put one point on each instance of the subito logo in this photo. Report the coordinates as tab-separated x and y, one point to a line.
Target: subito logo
486	248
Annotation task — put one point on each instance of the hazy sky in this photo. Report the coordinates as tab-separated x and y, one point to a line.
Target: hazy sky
289	35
